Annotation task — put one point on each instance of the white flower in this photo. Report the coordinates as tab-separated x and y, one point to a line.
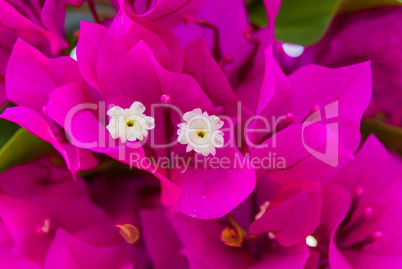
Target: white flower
129	124
201	132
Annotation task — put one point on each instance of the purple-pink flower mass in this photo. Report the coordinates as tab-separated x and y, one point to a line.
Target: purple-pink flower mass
200	134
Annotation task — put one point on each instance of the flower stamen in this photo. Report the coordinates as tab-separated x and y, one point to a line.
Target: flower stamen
129	232
368	240
283	124
166	99
367	213
263	209
353	205
233	235
314	112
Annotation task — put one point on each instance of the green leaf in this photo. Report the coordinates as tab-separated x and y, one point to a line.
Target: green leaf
72	24
75	15
347	6
22	147
256	13
390	136
304	22
7	128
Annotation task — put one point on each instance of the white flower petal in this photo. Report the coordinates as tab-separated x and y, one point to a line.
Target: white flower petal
150	122
137	108
190	114
189	148
115	111
212	150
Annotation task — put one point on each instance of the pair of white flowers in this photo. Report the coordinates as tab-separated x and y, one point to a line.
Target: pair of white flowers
199	131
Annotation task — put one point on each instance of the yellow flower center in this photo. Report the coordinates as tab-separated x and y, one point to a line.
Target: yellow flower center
130	123
201	134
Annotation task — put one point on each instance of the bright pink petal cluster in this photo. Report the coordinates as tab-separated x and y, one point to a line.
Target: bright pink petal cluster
284	186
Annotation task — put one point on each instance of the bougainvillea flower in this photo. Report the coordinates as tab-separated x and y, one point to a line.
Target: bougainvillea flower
164	12
289	216
76	3
39	24
123	195
224	32
132	61
139	63
212	186
197	244
314	103
51	222
76	159
369	235
200	64
360	226
335	204
31	96
34	115
369	35
161	240
199	192
308	112
252	72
